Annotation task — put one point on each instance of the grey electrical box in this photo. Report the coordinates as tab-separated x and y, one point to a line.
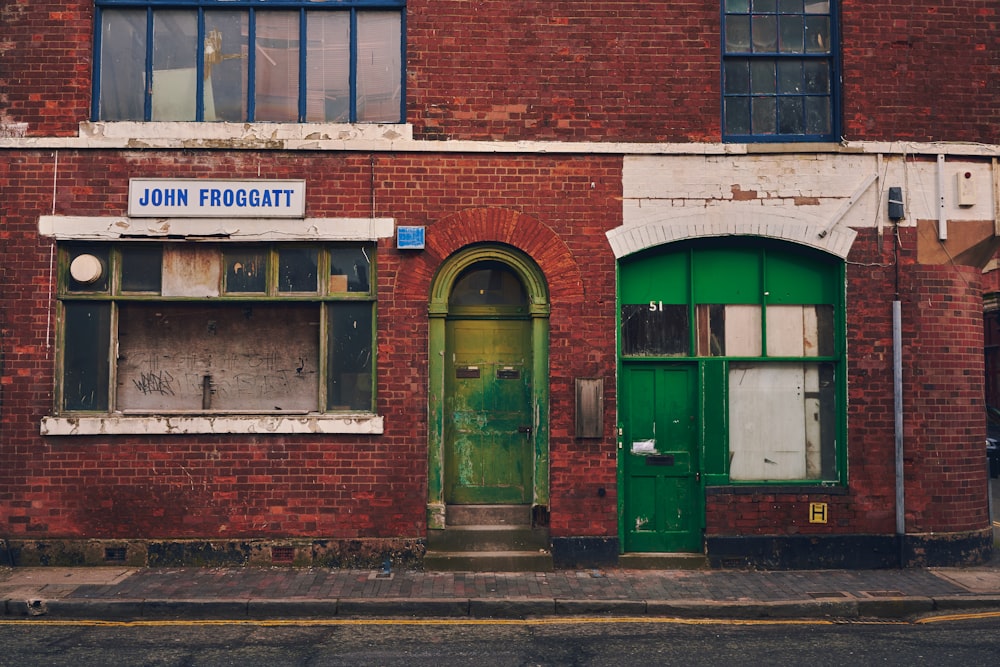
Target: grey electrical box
589	407
895	203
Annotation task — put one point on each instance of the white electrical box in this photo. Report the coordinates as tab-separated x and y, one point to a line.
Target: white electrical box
965	188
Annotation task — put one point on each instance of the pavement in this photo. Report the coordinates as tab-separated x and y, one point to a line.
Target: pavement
262	593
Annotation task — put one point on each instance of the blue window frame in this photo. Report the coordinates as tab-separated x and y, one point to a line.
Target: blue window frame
249	60
780	78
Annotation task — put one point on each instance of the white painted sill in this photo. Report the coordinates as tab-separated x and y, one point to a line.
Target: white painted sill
357	424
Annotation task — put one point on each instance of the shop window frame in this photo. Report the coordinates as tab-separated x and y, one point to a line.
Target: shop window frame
107	294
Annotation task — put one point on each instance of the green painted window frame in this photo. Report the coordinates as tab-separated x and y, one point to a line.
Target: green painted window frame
747	273
89	316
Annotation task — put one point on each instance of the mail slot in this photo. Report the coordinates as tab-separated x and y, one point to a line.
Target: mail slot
508	374
467	372
660	460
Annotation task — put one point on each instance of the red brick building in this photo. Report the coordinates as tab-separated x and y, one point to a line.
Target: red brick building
330	282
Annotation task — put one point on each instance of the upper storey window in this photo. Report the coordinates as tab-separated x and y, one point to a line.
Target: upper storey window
780	76
292	61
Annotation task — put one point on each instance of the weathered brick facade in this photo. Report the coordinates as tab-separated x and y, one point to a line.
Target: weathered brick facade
543	133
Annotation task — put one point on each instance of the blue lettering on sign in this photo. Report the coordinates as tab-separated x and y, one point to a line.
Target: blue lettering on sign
164	197
245	197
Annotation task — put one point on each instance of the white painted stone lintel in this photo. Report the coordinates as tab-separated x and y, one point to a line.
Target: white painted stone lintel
113	228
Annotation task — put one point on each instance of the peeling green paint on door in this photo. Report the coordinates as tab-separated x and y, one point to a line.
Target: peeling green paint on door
488	432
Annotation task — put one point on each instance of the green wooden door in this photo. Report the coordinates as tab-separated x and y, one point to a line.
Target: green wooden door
488	421
662	507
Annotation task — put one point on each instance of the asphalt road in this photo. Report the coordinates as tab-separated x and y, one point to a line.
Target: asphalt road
973	641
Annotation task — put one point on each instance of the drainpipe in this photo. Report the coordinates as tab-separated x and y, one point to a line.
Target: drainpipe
897	392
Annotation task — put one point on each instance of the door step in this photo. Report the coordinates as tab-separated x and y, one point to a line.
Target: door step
488	538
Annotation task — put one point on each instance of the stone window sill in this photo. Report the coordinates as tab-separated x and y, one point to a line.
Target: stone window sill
360	424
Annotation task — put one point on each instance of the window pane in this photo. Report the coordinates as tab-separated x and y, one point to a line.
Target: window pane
379	66
790	34
765	33
782	421
488	284
789	76
142	268
246	271
817	34
655	330
762	77
817	6
737	77
790	6
277	66
218	357
816	76
297	270
737	115
123	58
175	76
800	331
738	6
817	112
711	330
790	115
742	331
87	339
763	115
349	383
226	65
350	269
765	6
737	33
329	63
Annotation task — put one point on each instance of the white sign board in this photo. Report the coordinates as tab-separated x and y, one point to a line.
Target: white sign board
198	198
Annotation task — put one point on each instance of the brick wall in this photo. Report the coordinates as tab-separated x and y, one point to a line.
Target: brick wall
555	209
608	71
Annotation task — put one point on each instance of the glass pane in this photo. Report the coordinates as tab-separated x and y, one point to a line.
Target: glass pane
297	270
349	384
737	115
738	6
488	284
790	6
737	77
379	67
816	74
817	6
765	6
817	115
246	270
790	34
711	330
763	116
87	339
142	268
789	76
226	66
738	33
655	330
212	356
762	77
817	34
765	34
790	115
350	269
88	270
175	76
782	421
328	62
123	58
277	67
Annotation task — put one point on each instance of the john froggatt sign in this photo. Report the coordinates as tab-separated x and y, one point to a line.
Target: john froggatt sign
196	198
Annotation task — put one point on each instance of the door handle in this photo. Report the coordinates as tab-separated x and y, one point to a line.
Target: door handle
524	429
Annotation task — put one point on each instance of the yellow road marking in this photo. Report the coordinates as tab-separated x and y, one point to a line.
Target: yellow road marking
960	617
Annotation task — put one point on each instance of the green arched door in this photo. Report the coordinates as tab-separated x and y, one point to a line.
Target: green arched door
488	421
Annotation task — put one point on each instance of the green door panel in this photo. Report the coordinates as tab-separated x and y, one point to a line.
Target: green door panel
488	430
662	505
